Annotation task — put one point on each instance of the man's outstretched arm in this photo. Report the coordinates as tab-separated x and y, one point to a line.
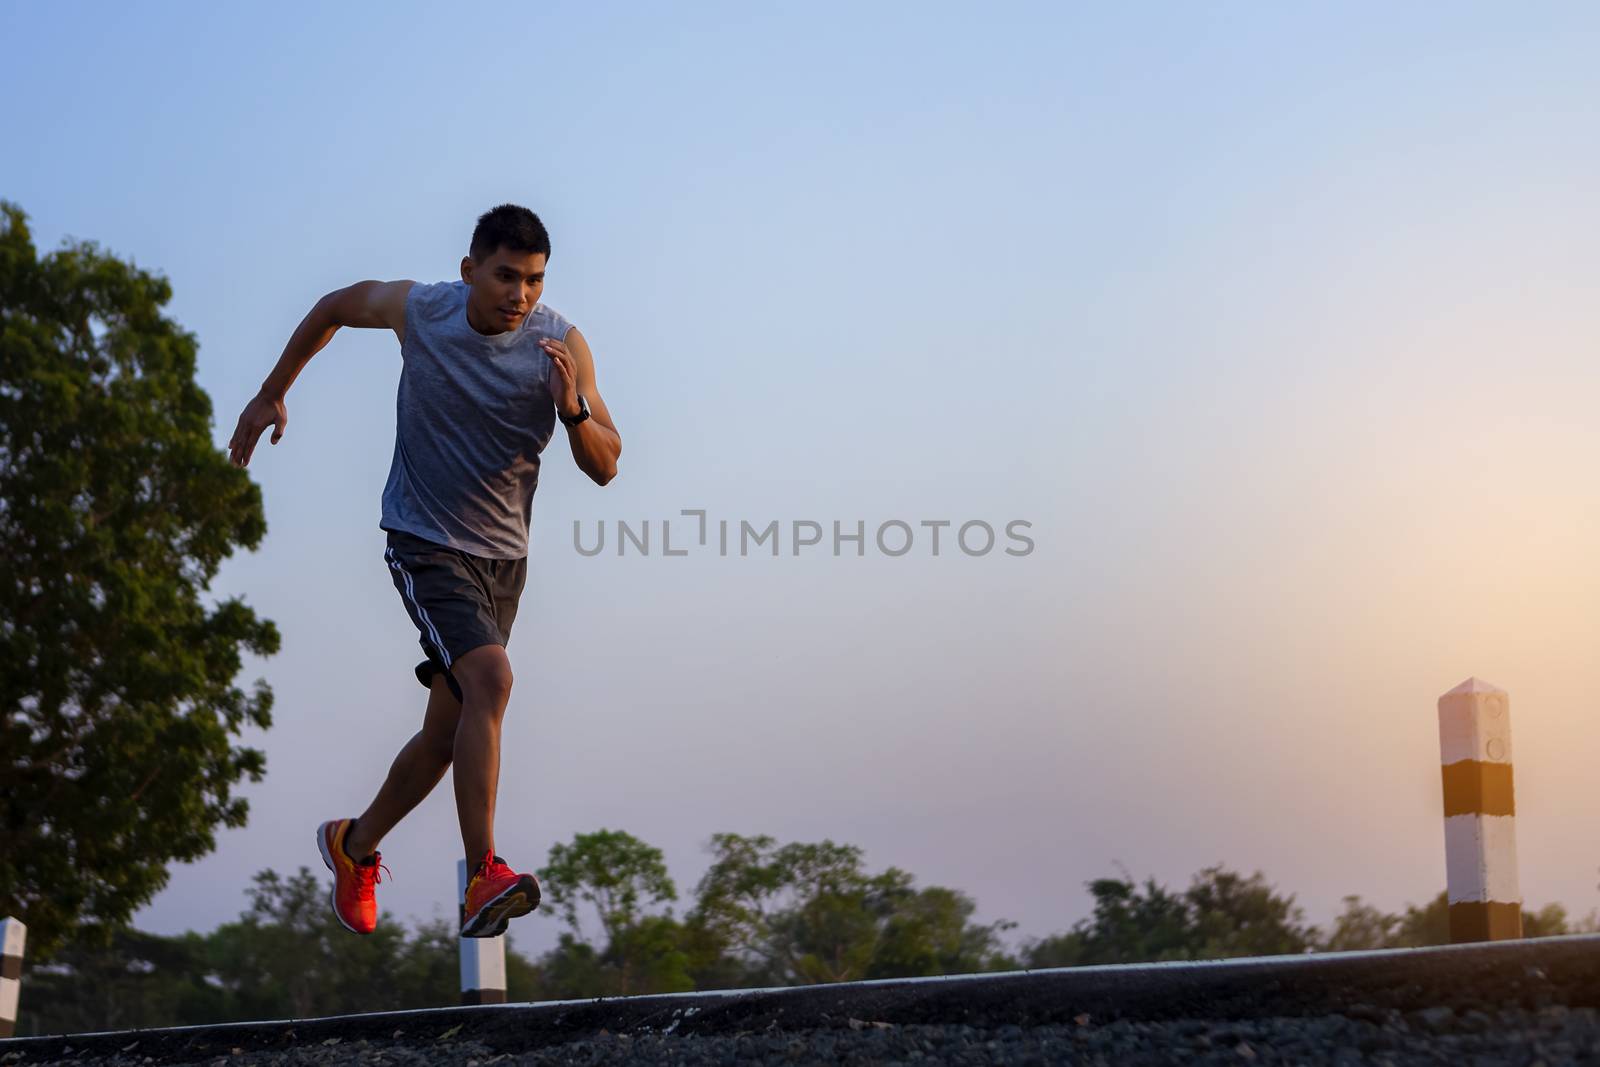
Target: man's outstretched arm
374	305
595	441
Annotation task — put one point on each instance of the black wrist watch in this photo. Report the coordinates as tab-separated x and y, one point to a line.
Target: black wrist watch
573	420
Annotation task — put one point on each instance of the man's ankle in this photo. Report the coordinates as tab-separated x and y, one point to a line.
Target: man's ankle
349	840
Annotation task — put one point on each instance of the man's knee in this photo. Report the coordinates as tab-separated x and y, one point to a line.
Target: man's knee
485	676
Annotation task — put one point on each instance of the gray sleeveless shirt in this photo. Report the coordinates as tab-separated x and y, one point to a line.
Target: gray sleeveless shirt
473	414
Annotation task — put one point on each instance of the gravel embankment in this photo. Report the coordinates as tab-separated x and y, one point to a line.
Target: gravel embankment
1553	1036
1520	1003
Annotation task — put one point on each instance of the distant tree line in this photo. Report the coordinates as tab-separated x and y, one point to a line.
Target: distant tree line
763	914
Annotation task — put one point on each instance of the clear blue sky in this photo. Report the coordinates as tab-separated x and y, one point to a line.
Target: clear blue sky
1276	322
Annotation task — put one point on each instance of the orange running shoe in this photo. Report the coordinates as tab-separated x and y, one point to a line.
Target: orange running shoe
352	898
495	895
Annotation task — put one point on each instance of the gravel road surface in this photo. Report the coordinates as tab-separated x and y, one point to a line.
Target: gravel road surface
1524	1003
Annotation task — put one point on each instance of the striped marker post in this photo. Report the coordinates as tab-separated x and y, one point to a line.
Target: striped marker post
13	936
1480	839
483	959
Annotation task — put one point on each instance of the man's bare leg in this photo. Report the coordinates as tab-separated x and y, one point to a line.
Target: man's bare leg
415	771
485	678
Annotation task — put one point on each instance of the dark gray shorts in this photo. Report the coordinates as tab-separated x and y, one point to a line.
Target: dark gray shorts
458	601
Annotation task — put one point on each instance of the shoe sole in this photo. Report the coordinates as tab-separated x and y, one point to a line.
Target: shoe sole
333	893
492	919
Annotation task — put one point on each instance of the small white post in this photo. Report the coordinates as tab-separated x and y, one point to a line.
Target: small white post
13	938
483	959
1480	839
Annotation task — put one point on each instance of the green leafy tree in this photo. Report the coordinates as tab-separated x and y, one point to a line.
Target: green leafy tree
649	956
834	933
118	709
791	915
617	876
809	912
288	956
1235	915
612	872
707	959
1427	925
1221	914
1548	921
134	979
1058	950
931	931
1129	924
574	969
1361	926
427	966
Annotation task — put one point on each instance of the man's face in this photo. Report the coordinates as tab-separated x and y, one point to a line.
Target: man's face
505	286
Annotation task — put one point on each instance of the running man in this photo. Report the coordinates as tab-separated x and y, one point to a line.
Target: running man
486	370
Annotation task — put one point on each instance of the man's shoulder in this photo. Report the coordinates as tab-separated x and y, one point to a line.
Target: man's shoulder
434	298
548	322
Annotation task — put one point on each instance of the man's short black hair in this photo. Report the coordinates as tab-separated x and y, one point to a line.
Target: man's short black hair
509	226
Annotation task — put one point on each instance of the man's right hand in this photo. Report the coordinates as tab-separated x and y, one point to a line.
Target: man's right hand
369	304
261	412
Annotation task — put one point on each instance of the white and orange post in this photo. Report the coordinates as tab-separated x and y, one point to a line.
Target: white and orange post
13	938
1480	838
483	959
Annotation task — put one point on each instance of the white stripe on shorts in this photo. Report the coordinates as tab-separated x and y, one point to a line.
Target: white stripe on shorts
422	613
